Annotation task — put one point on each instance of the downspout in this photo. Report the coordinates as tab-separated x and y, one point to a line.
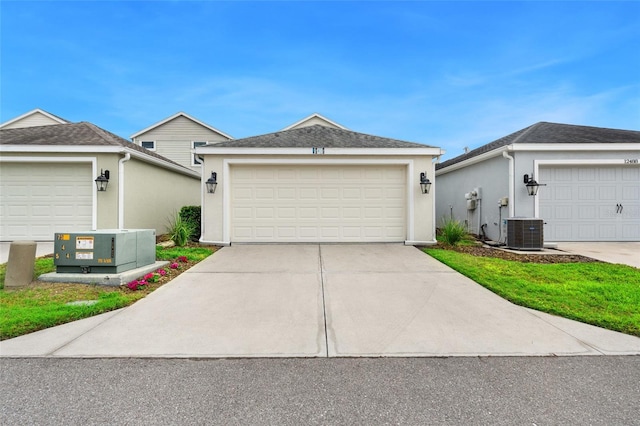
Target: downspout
511	183
121	162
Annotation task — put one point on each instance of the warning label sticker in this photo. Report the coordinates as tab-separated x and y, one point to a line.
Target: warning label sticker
84	243
87	255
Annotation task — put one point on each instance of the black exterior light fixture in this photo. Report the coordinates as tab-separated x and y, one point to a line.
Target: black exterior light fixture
212	182
532	185
103	180
425	183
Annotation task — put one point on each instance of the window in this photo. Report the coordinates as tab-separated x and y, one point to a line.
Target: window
195	161
150	145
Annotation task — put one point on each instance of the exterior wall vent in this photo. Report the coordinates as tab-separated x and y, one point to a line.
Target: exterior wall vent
525	233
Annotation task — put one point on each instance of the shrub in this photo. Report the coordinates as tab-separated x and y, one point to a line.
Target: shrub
192	215
453	232
180	231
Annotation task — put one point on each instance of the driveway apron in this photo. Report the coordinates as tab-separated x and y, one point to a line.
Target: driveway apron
318	301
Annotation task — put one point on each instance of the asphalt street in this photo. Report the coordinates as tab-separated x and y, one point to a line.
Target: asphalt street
496	391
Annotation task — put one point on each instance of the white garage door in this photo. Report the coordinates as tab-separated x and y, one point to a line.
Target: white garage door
39	199
597	203
318	203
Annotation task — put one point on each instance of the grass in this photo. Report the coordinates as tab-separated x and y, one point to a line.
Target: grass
28	309
601	294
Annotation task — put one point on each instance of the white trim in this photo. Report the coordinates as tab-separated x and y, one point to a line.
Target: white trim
32	112
312	116
226	163
213	150
68	149
193	153
581	162
174	116
473	160
94	172
587	147
93	149
537	147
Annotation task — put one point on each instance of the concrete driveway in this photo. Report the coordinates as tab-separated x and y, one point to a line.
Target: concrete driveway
319	301
626	253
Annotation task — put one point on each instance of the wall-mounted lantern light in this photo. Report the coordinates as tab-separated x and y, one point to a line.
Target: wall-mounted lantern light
425	183
103	180
212	182
532	185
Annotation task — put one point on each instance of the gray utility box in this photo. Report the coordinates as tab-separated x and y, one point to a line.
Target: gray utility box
107	251
524	233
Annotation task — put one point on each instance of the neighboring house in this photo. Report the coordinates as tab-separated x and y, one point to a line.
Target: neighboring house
591	177
37	117
313	119
317	183
177	137
47	183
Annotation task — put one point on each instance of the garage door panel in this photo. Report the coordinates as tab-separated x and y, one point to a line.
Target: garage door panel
583	203
319	203
39	199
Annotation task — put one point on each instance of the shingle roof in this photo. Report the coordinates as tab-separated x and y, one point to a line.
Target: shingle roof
544	132
317	136
72	134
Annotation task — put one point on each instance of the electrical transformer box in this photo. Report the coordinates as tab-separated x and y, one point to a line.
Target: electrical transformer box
106	251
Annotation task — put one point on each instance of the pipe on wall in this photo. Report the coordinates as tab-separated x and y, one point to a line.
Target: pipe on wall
121	162
511	183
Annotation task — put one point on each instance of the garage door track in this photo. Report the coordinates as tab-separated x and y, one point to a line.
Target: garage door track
319	301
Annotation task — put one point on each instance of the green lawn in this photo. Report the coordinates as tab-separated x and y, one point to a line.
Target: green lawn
32	308
601	294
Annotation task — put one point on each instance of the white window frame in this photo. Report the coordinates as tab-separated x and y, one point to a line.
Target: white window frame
194	162
150	149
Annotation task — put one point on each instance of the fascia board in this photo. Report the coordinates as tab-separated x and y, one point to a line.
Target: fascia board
327	151
174	116
61	148
576	147
74	149
158	162
473	160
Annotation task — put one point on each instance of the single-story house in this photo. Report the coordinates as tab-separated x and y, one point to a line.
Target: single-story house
48	177
317	182
177	137
588	183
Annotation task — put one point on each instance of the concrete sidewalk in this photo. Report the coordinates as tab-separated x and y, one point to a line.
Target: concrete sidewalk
318	301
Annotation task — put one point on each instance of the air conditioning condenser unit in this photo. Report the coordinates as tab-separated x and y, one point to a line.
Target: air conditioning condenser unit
525	233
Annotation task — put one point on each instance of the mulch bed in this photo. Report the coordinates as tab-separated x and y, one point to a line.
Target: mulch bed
525	257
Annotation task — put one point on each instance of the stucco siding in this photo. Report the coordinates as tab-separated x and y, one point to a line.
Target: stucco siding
419	207
491	177
153	195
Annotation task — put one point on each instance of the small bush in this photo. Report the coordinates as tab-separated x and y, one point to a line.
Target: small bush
453	232
180	231
192	215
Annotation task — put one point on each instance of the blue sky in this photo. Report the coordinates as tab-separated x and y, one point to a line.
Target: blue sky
449	74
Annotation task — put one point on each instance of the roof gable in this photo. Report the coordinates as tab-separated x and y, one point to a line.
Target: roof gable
36	117
552	133
317	136
313	119
175	116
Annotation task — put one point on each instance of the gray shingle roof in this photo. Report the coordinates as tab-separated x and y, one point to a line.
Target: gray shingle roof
544	132
72	134
317	136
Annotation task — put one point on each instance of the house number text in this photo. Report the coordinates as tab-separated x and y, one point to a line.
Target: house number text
317	150
631	161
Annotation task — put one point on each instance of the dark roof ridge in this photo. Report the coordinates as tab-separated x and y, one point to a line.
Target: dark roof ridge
318	135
